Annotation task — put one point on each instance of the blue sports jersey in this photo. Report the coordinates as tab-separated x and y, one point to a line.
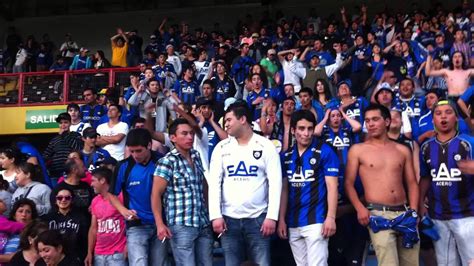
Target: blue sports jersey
134	110
340	141
307	193
425	38
137	186
160	71
451	194
358	64
92	159
414	107
224	88
92	115
31	151
265	93
187	91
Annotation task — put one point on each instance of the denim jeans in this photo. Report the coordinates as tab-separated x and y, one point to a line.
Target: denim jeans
144	247
116	259
191	245
244	235
457	236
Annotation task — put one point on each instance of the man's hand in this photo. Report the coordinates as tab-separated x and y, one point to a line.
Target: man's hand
466	166
363	216
268	227
343	10
129	214
329	227
282	229
219	226
163	231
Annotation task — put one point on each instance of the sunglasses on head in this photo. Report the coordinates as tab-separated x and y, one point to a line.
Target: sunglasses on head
61	198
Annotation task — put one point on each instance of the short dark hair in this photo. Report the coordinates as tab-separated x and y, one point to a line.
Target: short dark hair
117	106
411	80
70	165
210	83
74	106
90	89
103	173
300	115
307	90
383	110
20	203
240	109
174	125
138	120
138	137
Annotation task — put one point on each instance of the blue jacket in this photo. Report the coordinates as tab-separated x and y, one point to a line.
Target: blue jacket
405	224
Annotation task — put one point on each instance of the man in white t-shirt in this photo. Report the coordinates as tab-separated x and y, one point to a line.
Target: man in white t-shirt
244	189
112	134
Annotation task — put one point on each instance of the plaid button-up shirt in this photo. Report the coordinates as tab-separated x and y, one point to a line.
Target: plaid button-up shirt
184	202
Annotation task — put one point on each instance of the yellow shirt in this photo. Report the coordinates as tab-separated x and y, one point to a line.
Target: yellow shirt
119	55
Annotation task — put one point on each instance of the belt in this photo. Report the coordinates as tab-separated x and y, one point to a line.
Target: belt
381	207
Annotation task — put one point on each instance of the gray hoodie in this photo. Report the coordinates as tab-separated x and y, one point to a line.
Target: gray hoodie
163	106
39	193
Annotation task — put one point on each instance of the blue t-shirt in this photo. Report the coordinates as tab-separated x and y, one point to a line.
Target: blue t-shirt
224	88
307	193
187	91
138	186
451	194
325	58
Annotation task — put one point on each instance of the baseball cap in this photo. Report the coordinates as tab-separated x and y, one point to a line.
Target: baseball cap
153	36
384	86
202	101
446	102
83	49
169	46
346	81
228	102
107	160
90	132
63	116
102	91
255	35
272	51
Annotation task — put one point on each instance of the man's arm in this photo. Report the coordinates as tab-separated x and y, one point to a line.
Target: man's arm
214	182
352	169
158	136
159	187
331	69
416	160
433	73
329	225
91	240
410	180
219	131
104	140
282	227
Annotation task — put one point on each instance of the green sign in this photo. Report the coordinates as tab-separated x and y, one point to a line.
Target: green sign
40	119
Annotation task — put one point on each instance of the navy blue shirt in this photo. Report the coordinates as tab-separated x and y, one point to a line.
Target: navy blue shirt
358	64
92	159
92	115
187	91
451	194
307	193
224	88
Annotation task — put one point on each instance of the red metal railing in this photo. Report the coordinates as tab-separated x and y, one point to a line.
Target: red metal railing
59	87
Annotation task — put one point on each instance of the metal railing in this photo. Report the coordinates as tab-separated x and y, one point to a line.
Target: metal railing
58	87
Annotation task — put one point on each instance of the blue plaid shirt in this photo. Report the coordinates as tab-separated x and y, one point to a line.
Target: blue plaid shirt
184	202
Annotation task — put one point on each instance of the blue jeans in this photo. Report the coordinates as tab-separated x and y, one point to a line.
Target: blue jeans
116	259
244	235
144	247
191	245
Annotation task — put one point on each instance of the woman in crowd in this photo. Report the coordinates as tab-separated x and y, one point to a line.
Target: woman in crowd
9	161
54	251
70	222
322	92
23	211
28	180
100	61
27	254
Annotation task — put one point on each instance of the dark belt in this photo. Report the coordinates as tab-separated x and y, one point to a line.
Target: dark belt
381	207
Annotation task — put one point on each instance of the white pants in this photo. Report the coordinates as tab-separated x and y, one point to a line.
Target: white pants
308	245
457	237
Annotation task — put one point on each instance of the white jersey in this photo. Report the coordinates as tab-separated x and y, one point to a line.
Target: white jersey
79	127
244	180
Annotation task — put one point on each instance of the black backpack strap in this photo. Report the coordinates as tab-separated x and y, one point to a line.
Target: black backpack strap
129	162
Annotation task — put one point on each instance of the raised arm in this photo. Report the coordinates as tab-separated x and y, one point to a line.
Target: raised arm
355	125
431	72
318	129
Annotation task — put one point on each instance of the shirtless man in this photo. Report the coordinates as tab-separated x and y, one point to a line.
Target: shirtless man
385	193
457	77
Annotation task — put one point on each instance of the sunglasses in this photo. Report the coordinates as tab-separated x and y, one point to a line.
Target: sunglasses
61	198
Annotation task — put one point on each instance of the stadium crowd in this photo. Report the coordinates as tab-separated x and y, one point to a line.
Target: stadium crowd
326	134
